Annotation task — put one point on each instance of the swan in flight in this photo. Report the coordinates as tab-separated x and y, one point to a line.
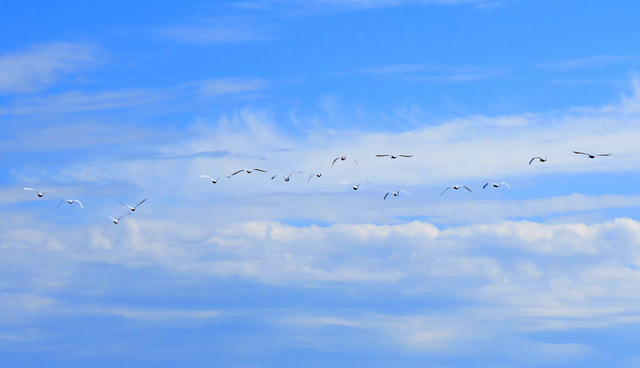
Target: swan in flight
134	207
210	178
70	201
496	185
353	186
395	194
343	158
116	220
539	158
247	170
591	155
393	157
316	175
286	178
40	194
456	187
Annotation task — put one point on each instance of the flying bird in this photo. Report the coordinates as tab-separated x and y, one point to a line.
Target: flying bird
116	220
456	187
393	157
539	158
134	207
496	185
40	194
316	175
210	178
343	158
395	194
70	201
286	178
353	186
248	171
591	155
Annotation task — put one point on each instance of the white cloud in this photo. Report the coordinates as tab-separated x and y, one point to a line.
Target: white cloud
42	65
219	30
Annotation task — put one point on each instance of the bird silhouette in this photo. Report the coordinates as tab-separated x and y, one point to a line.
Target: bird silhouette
343	158
116	220
496	185
456	187
248	171
395	194
591	155
210	178
539	158
134	207
287	177
70	201
40	194
393	157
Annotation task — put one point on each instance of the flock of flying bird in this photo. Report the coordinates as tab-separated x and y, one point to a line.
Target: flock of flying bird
287	178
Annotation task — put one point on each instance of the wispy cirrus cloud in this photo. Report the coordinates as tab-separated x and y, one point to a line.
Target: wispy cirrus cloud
219	30
80	101
596	61
41	65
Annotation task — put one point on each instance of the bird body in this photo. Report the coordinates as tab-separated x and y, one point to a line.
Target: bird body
134	207
353	186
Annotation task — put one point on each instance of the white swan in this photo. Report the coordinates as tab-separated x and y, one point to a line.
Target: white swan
134	207
40	194
70	201
456	187
116	220
395	194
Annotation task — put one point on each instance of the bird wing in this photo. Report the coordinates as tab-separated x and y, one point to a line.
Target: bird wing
354	160
126	205
445	190
310	176
530	161
484	186
581	153
385	196
334	161
405	155
382	155
604	154
502	182
126	214
239	171
59	203
80	203
141	202
465	187
30	189
206	176
276	175
260	170
402	190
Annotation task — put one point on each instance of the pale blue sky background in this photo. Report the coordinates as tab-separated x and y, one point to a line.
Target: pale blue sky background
110	102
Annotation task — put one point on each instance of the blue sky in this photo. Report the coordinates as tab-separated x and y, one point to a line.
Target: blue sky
117	102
